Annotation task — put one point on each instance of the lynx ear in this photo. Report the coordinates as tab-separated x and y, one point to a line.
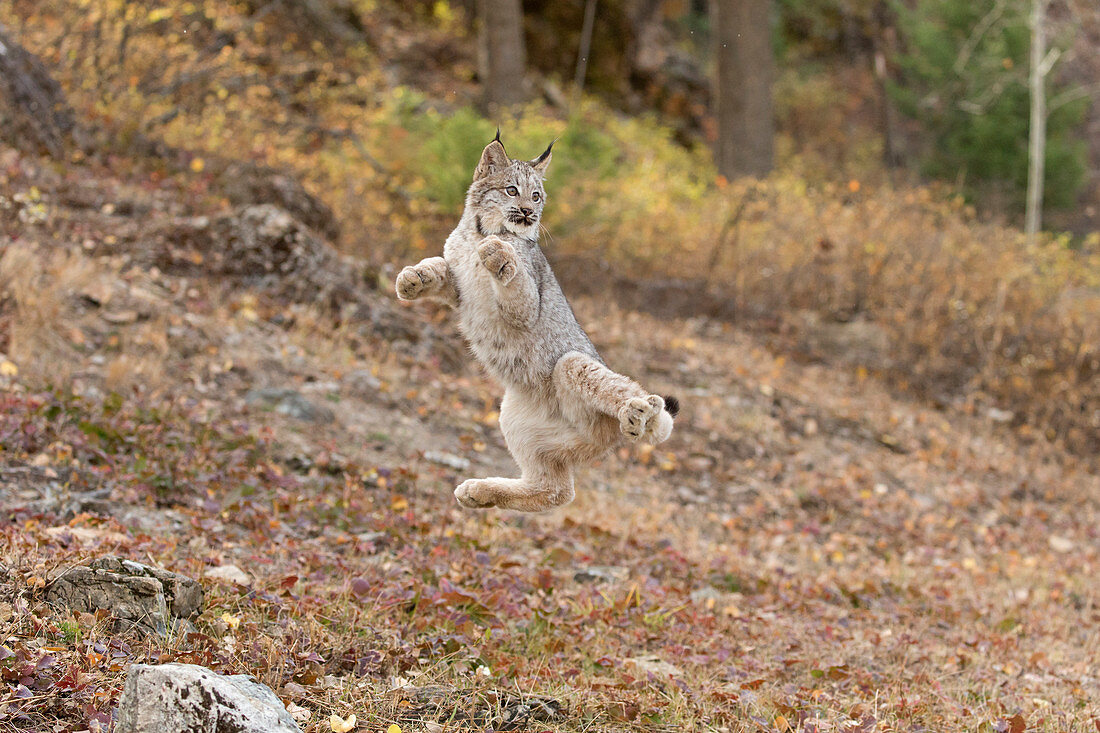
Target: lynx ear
493	159
542	162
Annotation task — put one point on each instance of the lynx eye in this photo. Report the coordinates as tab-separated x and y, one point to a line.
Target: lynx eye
512	191
536	196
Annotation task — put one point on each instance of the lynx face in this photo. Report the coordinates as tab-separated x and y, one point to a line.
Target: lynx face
508	195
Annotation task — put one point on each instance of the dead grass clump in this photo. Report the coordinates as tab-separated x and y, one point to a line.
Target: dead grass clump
37	291
970	312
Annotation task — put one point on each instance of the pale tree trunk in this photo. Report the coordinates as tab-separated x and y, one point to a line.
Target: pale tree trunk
1037	135
743	88
502	56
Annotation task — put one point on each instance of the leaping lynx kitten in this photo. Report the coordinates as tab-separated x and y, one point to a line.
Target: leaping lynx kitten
562	406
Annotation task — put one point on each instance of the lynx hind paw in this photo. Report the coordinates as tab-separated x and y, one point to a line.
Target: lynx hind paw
470	494
412	282
660	428
499	258
636	414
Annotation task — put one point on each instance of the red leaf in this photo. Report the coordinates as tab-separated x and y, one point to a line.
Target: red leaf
360	587
1017	724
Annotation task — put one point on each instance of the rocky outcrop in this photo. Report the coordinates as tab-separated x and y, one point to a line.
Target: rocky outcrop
261	246
187	697
246	183
138	596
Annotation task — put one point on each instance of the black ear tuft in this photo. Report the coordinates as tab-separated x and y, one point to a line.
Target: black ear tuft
497	138
545	154
672	405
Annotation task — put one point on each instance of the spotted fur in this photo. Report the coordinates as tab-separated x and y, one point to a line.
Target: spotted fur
562	406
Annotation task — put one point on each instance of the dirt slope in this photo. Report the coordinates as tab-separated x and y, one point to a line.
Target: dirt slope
808	552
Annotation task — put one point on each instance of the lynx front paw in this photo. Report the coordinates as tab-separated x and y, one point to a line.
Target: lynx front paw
499	258
636	414
412	282
472	494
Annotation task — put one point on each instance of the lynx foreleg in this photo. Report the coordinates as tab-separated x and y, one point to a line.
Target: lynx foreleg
517	294
430	278
640	414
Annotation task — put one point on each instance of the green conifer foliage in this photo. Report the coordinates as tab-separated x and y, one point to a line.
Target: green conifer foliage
963	76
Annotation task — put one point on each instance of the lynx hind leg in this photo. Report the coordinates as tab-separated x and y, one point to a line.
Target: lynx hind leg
640	415
522	494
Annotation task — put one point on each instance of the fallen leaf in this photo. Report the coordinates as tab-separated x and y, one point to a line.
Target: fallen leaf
340	725
299	713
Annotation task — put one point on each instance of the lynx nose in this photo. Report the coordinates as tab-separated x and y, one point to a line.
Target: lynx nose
527	212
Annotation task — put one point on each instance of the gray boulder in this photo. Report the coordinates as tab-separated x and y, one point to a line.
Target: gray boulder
138	596
186	697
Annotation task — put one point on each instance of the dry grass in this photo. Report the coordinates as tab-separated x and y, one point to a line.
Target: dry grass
40	294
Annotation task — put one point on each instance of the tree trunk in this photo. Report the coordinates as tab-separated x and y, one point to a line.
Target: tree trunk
502	55
743	89
1037	134
586	46
34	115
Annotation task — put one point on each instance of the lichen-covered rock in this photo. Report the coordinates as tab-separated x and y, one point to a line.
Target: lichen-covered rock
182	594
187	697
138	596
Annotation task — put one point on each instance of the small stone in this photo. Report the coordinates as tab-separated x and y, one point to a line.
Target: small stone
705	594
362	381
600	573
655	666
229	574
187	697
1063	545
290	403
450	460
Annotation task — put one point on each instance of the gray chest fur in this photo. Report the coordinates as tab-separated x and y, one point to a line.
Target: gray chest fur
518	357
